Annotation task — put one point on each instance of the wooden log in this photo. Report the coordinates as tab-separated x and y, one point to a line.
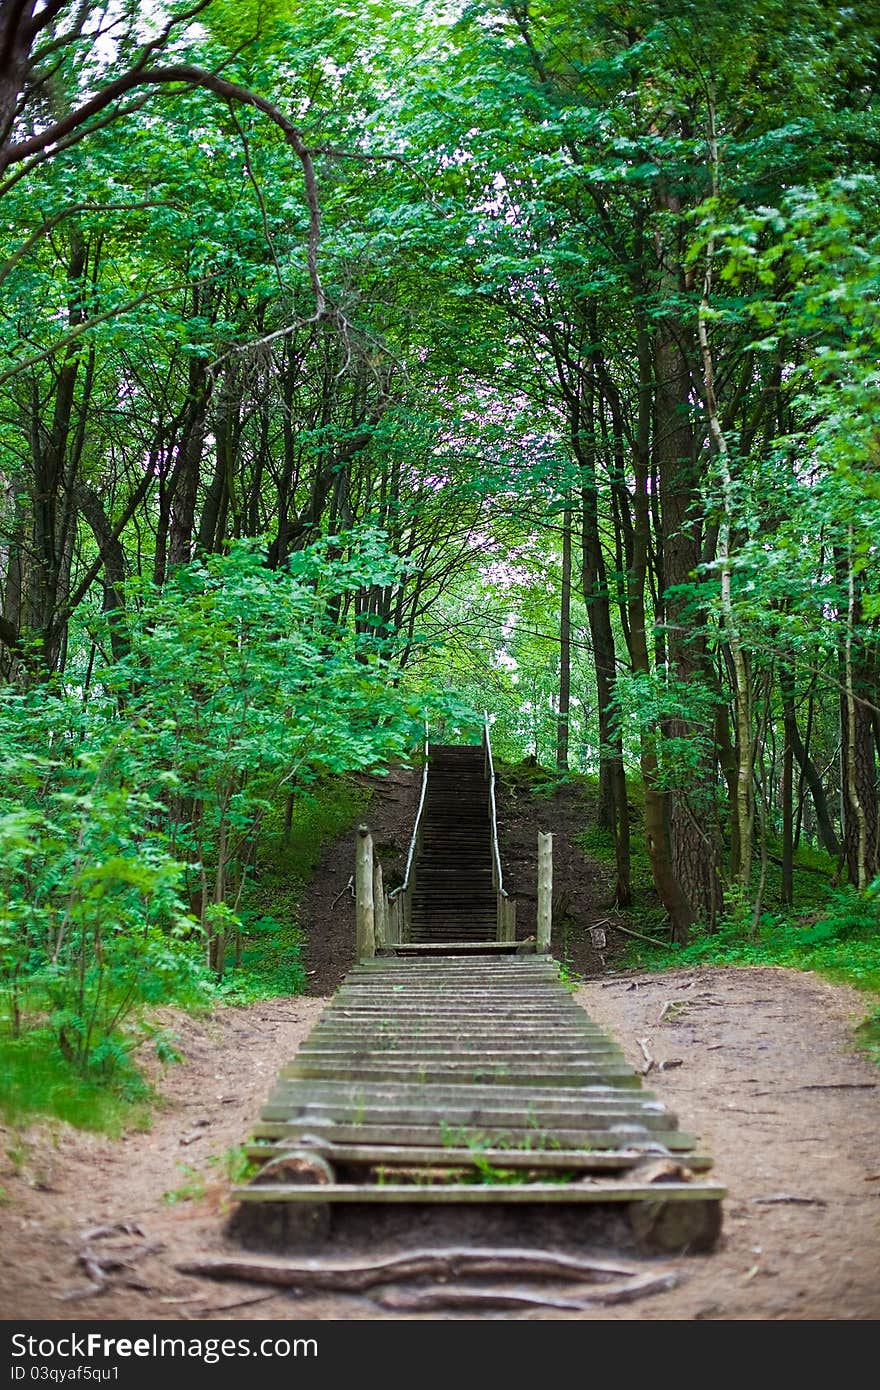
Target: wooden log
506	918
545	890
393	920
296	1166
365	945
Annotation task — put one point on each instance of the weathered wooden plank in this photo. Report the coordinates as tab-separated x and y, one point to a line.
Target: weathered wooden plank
364	907
503	996
413	1155
485	1056
443	967
555	1100
577	1073
574	1095
538	994
556	1193
425	1029
538	1121
503	1136
431	1014
460	948
437	1107
545	890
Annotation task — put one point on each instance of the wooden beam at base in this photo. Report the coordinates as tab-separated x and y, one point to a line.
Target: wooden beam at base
476	1193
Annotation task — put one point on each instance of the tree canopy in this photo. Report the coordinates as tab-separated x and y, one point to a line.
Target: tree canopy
373	362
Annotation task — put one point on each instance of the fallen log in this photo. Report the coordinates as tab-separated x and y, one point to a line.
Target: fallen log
435	1264
430	1300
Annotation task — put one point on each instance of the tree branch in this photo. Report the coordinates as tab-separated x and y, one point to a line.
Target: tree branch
193	76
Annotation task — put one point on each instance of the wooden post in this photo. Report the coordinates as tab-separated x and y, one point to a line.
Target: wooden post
545	890
380	908
406	916
365	946
506	918
392	921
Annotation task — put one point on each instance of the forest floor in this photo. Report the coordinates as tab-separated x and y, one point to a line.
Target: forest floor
767	1075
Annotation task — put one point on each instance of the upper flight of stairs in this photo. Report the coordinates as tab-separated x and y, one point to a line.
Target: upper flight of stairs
453	895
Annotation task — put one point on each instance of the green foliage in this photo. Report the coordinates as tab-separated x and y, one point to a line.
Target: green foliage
841	940
36	1081
269	960
116	813
92	921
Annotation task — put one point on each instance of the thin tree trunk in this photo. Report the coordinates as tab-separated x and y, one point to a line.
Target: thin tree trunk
613	796
787	797
745	809
562	726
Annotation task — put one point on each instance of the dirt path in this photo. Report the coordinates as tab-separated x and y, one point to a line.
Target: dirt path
768	1078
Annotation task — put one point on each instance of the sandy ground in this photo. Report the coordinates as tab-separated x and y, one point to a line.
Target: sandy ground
768	1078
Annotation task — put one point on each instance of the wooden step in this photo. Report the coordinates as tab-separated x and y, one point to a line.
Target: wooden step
414	1155
520	1138
555	1193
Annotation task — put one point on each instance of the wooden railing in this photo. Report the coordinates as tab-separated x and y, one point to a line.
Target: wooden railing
383	919
400	899
506	928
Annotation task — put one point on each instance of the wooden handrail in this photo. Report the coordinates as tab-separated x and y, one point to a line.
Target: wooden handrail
493	810
410	858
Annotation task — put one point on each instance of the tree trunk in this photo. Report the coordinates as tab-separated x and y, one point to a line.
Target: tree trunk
860	821
693	818
613	796
657	826
562	725
787	798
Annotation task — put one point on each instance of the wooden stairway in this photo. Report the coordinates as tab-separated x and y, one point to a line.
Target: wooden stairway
464	1081
453	898
453	1069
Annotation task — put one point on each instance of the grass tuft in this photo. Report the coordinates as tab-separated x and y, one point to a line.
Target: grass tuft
35	1080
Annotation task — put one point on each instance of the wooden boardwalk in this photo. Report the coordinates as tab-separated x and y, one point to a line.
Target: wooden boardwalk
464	1074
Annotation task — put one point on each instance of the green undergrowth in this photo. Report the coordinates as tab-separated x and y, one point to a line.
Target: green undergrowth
106	1092
543	783
842	942
232	1166
839	940
270	960
833	931
35	1080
